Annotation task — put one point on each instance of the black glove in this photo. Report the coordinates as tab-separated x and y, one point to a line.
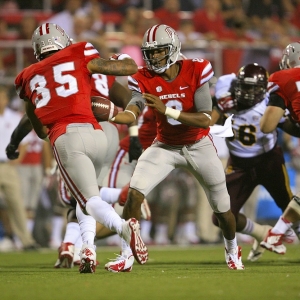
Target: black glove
11	151
135	148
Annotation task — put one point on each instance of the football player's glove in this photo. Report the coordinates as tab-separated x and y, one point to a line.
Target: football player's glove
226	102
11	151
135	148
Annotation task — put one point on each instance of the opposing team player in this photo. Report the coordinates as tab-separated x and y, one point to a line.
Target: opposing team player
178	92
253	154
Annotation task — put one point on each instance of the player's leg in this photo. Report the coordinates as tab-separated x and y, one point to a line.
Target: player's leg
208	170
80	175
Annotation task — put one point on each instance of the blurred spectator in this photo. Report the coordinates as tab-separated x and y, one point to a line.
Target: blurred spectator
187	34
27	25
169	13
209	20
10	181
65	17
273	9
30	4
83	32
232	11
9	6
131	39
32	167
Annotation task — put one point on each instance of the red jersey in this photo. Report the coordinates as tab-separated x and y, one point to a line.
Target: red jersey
101	84
286	83
147	130
177	94
59	87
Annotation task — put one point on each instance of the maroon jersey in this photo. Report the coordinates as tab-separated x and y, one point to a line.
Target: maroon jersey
177	94
59	87
286	83
147	130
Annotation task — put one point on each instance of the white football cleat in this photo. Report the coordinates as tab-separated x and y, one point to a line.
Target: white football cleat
273	242
257	251
234	259
122	263
131	235
65	256
87	259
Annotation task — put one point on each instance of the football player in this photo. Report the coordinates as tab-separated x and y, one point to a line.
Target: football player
56	91
284	89
254	155
178	93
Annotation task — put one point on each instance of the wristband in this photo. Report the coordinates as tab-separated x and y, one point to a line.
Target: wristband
209	116
172	113
133	130
131	113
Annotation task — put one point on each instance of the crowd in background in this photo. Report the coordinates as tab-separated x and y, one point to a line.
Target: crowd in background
248	31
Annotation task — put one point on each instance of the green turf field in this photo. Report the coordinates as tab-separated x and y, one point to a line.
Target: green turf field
173	273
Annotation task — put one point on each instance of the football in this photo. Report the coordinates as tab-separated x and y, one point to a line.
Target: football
103	109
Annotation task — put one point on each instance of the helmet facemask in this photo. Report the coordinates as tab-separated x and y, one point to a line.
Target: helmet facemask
249	94
251	85
290	57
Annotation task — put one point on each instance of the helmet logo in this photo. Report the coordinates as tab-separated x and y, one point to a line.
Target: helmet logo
169	31
44	29
60	30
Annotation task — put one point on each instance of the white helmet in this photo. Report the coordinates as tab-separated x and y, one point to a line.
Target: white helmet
160	37
47	38
291	56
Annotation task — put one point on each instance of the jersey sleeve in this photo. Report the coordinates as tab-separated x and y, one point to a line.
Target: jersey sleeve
223	85
19	86
205	70
90	52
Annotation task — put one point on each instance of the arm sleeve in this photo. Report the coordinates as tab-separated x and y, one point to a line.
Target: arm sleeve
276	100
202	98
138	100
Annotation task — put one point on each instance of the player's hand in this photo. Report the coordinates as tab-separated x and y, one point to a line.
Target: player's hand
119	56
154	102
226	103
11	151
135	148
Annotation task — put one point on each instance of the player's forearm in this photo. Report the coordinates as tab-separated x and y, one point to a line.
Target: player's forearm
113	67
290	127
124	117
23	128
200	119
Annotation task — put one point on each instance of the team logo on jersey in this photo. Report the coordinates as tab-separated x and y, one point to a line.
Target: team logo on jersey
158	89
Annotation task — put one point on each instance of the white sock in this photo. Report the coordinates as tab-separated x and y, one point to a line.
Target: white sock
78	243
254	229
87	226
110	195
282	226
125	248
230	245
72	233
104	214
57	226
